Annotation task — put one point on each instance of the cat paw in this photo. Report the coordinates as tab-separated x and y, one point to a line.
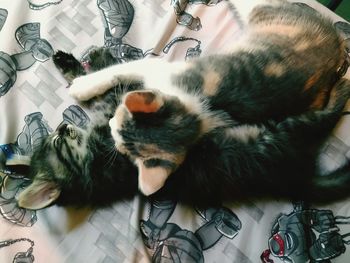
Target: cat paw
63	60
80	89
87	87
68	65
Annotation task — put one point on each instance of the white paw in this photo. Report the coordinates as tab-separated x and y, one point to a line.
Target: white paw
87	87
81	88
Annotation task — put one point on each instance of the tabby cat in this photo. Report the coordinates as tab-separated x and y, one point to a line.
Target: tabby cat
80	166
217	124
286	64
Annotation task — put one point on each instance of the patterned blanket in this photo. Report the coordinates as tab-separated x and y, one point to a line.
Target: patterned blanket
34	101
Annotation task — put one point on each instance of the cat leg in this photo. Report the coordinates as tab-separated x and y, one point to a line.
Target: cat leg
68	65
153	73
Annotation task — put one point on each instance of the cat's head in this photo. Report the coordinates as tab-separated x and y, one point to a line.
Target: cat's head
155	130
60	157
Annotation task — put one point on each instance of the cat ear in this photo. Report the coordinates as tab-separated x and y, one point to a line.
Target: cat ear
143	101
38	194
151	179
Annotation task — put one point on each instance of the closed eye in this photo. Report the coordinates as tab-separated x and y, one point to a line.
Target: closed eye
56	140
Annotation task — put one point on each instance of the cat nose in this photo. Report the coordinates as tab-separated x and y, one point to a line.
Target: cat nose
61	129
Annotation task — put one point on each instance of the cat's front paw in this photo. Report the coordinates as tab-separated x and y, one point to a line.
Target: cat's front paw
68	65
80	89
87	87
64	61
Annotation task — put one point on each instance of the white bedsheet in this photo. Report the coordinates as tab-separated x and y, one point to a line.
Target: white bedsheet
34	101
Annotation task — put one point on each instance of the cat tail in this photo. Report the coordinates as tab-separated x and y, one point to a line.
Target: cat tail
339	93
69	66
332	186
335	184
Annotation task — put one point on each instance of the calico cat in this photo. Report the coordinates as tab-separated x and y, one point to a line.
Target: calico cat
72	166
286	64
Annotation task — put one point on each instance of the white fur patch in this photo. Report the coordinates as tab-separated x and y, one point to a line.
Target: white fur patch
150	179
89	86
115	125
155	73
244	133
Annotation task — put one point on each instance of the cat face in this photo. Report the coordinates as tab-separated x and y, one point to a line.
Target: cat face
62	155
155	130
71	142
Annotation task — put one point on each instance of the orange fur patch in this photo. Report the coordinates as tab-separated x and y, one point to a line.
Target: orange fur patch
274	70
312	80
319	101
287	30
143	101
212	80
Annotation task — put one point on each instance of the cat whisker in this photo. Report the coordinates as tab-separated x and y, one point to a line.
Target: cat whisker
115	101
111	154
